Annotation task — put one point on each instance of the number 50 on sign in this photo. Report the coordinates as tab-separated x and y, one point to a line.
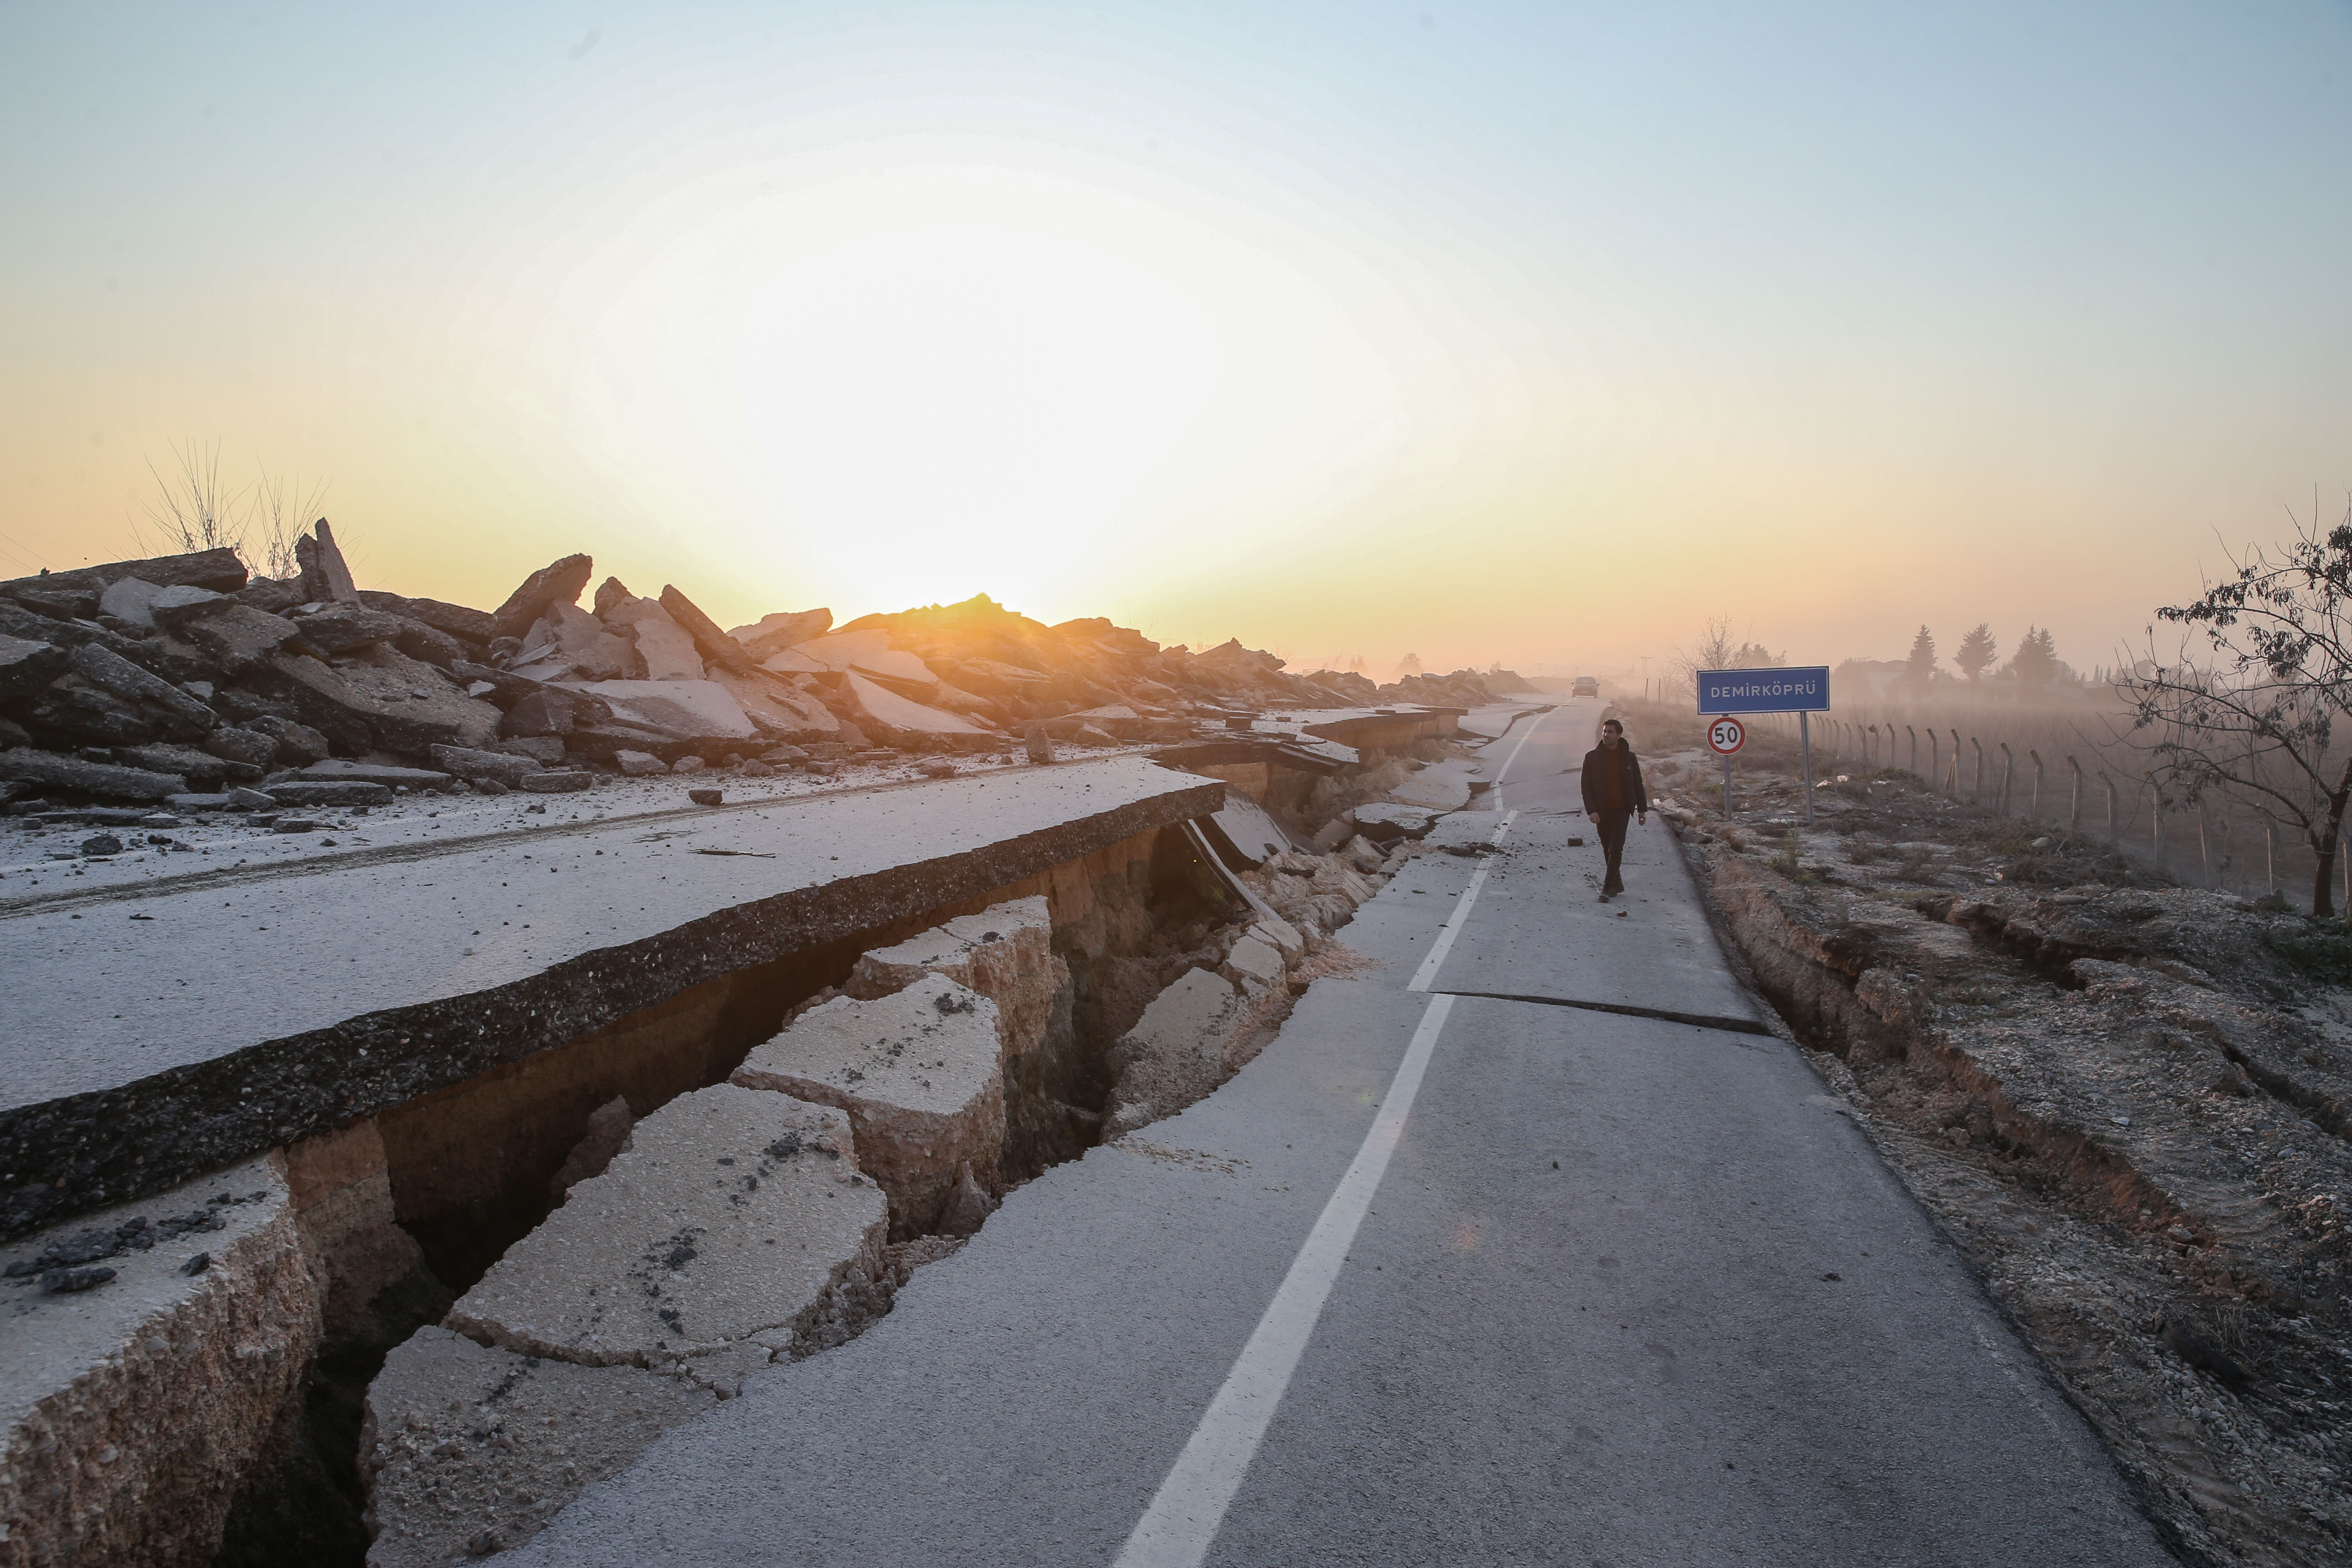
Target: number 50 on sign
1726	735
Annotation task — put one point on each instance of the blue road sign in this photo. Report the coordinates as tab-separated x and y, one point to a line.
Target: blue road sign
1805	689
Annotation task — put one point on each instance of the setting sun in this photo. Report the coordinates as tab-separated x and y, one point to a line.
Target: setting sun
949	409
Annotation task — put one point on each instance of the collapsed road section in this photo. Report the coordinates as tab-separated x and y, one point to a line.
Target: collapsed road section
267	1124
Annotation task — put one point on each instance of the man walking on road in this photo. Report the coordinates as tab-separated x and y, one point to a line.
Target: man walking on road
1613	792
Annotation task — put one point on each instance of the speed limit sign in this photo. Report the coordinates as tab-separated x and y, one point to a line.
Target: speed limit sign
1724	736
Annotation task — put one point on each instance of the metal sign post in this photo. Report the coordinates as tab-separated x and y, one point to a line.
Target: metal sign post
1801	689
1726	736
1805	759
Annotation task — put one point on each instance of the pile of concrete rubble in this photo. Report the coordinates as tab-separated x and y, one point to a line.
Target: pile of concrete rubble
184	682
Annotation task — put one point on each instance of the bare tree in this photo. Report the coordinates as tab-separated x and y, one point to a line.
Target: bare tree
1718	650
2257	719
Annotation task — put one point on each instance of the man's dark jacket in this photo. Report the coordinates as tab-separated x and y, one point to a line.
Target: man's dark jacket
1628	768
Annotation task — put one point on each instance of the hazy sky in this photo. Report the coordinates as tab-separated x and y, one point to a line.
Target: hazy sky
1530	333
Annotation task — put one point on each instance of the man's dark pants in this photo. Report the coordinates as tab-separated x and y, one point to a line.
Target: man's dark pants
1612	845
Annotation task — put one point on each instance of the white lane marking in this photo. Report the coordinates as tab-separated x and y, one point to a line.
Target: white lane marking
1189	1506
1427	973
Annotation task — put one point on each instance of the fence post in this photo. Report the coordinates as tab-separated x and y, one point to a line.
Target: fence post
2270	852
2112	827
2204	844
1976	790
2156	823
1934	774
1952	780
2035	814
1912	732
2008	769
2074	807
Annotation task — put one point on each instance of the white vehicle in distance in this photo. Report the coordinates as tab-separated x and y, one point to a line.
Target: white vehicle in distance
1585	686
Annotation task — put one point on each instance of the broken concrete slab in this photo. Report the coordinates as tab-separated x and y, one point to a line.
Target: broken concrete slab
1005	953
468	626
306	791
55	771
219	570
665	650
1386	822
733	1211
1116	720
1363	855
26	666
639	764
789	662
778	709
173	608
241	637
713	644
1242	832
392	774
546	750
342	770
202	768
554	583
136	1407
572	644
869	654
1177	1052
697	710
468	764
1280	935
324	576
383	699
429	644
250	747
771	634
558	584
182	715
1445	786
72	710
297	743
920	1074
167	1061
468	1449
885	715
558	780
344	625
128	599
1254	966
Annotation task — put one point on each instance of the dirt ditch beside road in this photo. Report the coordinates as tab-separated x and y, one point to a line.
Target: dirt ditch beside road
2126	1102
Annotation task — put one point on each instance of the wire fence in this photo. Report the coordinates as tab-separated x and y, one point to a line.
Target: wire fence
2079	768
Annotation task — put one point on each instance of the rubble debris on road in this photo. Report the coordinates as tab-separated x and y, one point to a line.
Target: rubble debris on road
101	665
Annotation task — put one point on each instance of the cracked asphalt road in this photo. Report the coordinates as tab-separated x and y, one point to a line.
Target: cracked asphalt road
1630	1292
